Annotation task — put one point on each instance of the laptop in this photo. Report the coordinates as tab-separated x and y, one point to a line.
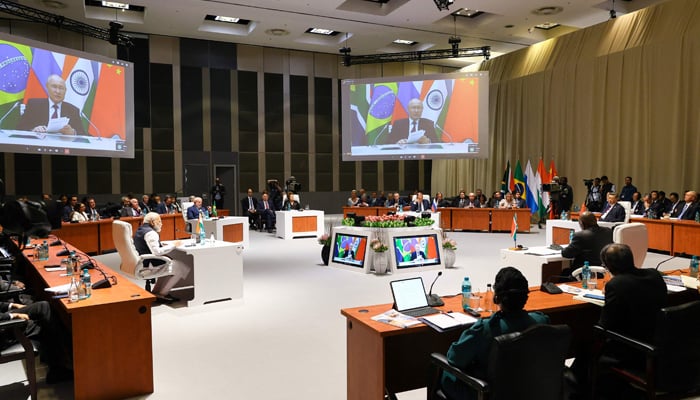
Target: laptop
410	299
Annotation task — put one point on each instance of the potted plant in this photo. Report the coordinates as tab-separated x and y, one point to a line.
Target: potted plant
325	241
449	245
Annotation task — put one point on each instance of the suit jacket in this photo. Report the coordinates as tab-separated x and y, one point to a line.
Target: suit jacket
391	203
632	301
400	130
270	204
163	209
37	112
638	208
193	212
245	206
415	205
690	212
616	214
587	244
128	212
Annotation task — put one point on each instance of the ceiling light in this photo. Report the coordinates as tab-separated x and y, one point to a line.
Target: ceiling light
549	10
547	25
228	20
465	12
322	31
115	4
406	42
277	32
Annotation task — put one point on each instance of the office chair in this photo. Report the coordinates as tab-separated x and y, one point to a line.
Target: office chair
522	365
24	349
131	262
672	358
636	237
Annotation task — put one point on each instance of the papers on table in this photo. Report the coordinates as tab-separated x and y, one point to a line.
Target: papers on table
689	281
446	321
594	296
395	318
56	124
61	289
542	251
674	283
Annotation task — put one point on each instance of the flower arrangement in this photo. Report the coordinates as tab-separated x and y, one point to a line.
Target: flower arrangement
348	222
449	244
378	246
324	240
423	221
384	221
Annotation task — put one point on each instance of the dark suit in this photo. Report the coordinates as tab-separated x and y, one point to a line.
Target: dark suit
37	114
586	245
616	214
638	207
246	205
193	212
163	209
415	205
689	212
129	212
632	301
392	203
401	127
267	215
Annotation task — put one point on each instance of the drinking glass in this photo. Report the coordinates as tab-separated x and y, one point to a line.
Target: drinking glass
593	281
475	301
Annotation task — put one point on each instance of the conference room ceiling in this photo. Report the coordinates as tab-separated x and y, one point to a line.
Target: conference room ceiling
366	26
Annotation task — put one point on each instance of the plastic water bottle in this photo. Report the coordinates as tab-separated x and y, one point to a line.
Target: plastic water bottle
211	238
466	292
488	299
86	283
73	290
202	236
694	267
585	274
697	216
571	235
82	289
44	251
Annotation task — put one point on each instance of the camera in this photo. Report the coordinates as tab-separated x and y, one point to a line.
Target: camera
551	187
588	183
293	185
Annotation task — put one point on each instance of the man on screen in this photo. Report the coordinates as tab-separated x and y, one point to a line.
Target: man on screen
414	129
39	112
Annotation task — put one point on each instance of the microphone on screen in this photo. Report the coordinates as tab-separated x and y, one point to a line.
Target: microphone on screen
8	113
444	132
433	299
99	135
387	125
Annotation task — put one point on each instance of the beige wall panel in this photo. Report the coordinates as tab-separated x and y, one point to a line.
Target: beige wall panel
249	58
164	50
301	63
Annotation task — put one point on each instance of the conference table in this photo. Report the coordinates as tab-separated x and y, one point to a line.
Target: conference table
299	223
383	359
111	331
468	219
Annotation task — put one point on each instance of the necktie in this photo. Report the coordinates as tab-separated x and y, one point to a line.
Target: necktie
55	111
685	207
266	205
250	203
415	124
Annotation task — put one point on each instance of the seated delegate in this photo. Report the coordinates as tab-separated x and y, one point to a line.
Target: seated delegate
613	211
290	203
470	352
587	243
196	209
420	204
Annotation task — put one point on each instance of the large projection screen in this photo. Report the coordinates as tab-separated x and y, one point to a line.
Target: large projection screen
416	118
55	100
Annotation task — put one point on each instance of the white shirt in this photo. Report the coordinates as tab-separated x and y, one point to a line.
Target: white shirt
153	241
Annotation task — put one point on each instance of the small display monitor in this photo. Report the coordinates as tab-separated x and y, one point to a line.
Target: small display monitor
349	250
416	250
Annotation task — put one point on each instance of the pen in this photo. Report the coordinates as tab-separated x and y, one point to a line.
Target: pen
448	314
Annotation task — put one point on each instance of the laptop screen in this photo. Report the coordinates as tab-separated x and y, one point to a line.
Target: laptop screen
409	293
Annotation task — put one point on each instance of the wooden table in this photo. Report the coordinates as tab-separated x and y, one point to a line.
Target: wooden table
381	356
502	219
686	237
111	331
470	219
294	223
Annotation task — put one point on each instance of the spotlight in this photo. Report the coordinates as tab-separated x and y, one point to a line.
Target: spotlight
443	4
114	28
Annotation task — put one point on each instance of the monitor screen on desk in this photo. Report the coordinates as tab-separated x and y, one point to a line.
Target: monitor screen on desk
349	250
60	101
416	250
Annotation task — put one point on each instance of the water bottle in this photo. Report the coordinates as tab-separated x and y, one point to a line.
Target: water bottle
488	299
571	235
202	235
74	263
82	290
211	238
697	216
694	267
73	290
585	274
87	282
466	292
44	251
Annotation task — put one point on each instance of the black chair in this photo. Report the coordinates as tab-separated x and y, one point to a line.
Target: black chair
24	349
522	365
672	359
7	275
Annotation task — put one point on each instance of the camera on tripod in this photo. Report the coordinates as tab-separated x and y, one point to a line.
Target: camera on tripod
293	185
588	183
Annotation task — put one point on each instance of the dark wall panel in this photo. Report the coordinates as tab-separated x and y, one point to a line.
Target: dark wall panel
99	175
163	173
391	175
299	113
203	53
220	89
369	175
28	175
161	96
142	99
324	173
131	173
192	111
64	173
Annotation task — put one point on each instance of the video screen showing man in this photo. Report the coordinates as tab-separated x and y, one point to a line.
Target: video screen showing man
414	129
39	113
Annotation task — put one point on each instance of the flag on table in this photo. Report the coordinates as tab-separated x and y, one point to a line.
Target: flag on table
532	189
514	228
507	181
552	170
583	207
519	181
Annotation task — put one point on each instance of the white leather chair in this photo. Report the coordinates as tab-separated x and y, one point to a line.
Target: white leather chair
627	205
131	262
636	237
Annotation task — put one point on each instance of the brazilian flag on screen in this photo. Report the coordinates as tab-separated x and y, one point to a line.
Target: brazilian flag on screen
15	63
381	107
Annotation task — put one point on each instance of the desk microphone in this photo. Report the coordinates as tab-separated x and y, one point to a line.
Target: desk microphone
65	251
668	259
433	299
374	142
2	119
